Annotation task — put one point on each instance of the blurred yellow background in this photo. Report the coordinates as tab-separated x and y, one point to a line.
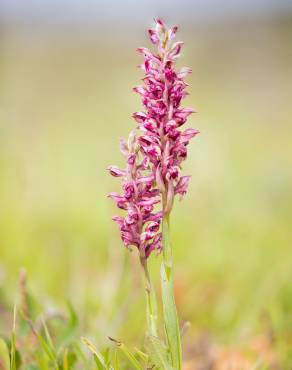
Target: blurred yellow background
66	99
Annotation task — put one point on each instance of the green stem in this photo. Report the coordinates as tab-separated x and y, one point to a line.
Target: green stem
171	322
150	300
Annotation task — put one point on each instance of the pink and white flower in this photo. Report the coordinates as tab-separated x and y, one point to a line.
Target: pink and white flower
153	177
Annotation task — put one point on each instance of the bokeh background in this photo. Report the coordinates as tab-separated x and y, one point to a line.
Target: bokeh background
66	73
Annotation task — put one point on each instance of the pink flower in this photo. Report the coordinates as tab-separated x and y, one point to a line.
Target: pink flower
152	176
140	227
162	141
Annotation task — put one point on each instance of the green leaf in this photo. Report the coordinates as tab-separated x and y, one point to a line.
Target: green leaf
106	356
65	360
128	354
47	346
170	316
72	324
4	355
144	357
117	362
73	318
69	359
13	349
48	336
76	349
31	367
98	357
159	353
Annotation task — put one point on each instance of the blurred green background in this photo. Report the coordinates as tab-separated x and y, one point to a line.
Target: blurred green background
65	100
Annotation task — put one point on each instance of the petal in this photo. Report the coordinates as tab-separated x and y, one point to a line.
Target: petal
155	244
131	159
153	226
153	36
120	200
183	72
140	117
148	202
159	180
175	50
124	147
172	32
119	220
160	26
181	115
140	90
147	54
187	135
146	179
182	185
115	171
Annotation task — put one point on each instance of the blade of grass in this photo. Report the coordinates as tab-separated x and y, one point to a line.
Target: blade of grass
143	356
127	353
65	359
98	357
169	308
4	355
49	351
13	350
159	353
48	336
72	324
117	362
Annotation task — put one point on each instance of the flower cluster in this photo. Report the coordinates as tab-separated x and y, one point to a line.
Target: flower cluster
141	226
161	146
163	142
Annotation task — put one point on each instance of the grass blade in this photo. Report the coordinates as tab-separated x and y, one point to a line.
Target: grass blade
98	357
13	350
159	353
169	308
117	362
128	354
65	360
4	355
143	356
46	346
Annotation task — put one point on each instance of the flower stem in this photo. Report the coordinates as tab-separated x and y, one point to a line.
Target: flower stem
150	300
171	322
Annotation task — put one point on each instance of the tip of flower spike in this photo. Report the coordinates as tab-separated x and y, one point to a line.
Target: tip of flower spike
159	21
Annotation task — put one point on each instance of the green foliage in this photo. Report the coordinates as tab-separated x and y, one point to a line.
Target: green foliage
12	345
169	307
4	355
99	359
128	355
159	353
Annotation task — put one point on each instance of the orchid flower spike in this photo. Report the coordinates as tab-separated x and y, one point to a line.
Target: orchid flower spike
154	154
